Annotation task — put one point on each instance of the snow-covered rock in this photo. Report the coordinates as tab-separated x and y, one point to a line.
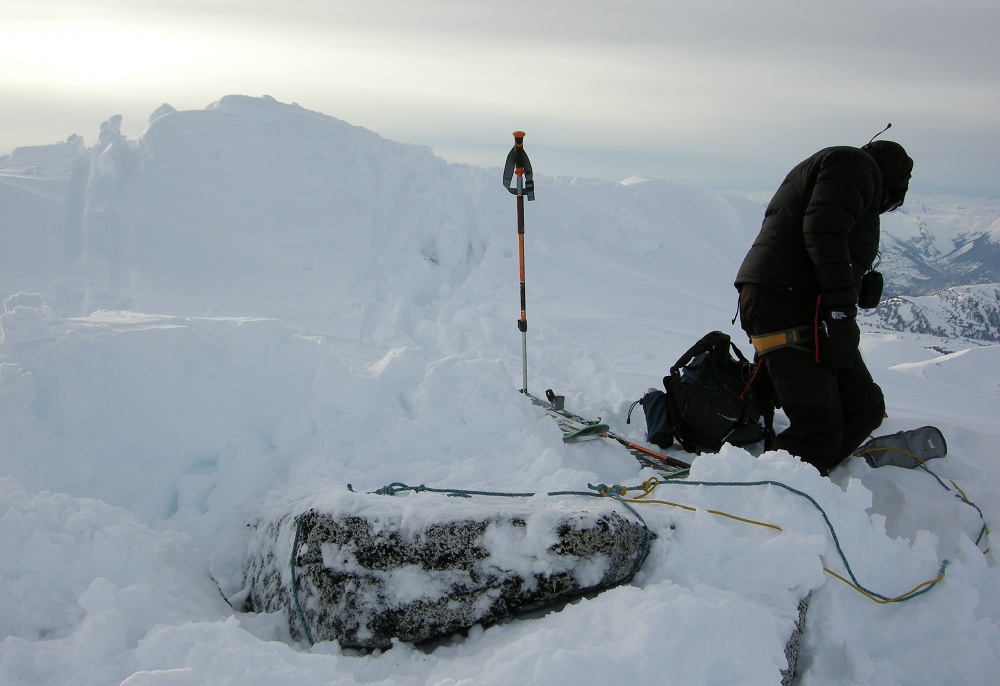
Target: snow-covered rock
371	570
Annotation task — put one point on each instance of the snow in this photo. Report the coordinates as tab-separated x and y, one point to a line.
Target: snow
253	305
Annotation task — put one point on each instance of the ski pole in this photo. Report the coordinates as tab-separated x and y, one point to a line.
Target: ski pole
518	165
672	461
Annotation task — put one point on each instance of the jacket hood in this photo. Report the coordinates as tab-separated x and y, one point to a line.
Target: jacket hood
896	167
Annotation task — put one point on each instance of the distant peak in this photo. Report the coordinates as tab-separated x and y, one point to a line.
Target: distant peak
248	102
161	111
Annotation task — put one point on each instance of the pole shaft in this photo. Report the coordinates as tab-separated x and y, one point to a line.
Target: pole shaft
522	323
517	163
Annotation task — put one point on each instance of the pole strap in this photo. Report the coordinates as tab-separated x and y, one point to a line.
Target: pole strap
518	162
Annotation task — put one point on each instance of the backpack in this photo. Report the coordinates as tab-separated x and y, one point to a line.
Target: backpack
710	397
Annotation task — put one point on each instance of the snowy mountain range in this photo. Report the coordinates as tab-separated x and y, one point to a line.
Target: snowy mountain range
938	242
963	312
941	263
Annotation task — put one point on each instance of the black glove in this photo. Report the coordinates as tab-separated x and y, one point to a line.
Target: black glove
839	336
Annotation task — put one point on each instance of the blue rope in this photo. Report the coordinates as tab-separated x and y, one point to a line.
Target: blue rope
618	492
598	491
295	585
985	530
829	526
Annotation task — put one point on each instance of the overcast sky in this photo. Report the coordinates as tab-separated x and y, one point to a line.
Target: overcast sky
724	94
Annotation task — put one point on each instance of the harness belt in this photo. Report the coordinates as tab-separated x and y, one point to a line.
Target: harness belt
780	339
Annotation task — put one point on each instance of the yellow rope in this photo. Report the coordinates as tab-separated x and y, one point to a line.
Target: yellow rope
986	527
649	485
886	601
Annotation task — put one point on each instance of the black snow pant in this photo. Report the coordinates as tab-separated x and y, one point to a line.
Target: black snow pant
831	411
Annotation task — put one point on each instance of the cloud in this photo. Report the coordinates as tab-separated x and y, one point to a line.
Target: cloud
716	93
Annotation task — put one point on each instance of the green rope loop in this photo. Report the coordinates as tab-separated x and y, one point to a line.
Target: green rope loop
617	492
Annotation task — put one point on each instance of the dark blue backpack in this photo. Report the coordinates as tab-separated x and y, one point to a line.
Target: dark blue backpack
710	397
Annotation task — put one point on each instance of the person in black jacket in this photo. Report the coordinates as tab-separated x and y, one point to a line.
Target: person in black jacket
799	287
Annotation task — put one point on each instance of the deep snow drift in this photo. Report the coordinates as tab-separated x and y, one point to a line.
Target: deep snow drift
255	305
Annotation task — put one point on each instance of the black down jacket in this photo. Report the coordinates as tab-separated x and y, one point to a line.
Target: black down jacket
821	230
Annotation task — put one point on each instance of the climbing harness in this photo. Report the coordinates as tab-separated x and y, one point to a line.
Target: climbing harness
765	343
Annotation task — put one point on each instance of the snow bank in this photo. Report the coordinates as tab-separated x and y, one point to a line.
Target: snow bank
270	305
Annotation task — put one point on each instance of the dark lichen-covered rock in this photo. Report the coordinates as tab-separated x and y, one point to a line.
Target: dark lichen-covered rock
388	568
794	644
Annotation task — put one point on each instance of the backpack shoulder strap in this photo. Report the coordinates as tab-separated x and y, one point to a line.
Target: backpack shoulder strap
708	342
740	357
